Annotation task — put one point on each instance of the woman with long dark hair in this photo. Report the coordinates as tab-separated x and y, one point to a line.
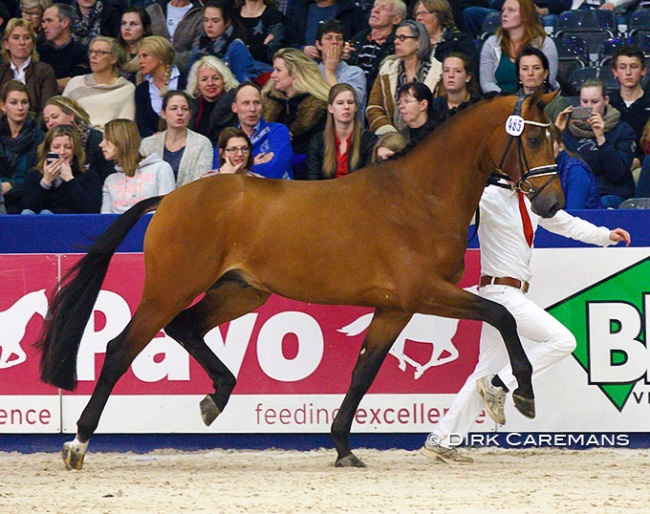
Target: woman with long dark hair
136	25
344	146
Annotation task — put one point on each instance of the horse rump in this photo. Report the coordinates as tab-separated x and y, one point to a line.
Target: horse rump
74	301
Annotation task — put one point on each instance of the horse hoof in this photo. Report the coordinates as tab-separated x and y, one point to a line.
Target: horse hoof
73	456
350	461
209	410
524	405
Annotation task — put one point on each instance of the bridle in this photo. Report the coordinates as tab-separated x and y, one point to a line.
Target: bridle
515	127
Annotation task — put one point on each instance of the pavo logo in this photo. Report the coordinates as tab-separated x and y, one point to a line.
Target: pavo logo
610	320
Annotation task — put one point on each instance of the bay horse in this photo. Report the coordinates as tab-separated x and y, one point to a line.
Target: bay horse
391	236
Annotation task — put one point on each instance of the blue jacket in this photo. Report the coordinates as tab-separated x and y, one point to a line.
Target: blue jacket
611	162
270	137
236	57
578	184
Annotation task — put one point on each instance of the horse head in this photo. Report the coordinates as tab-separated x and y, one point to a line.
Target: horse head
526	158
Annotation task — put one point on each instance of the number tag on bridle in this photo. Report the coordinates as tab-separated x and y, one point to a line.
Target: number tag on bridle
515	125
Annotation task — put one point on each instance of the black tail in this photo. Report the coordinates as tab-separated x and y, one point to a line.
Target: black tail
73	303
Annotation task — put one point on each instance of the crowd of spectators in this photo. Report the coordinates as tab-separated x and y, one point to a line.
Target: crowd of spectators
106	102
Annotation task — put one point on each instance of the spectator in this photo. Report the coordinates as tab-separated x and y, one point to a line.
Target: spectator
305	16
631	100
457	87
136	25
414	102
476	11
263	28
19	137
21	63
180	22
388	145
330	43
139	177
32	11
156	57
604	142
62	184
296	96
104	94
235	155
533	68
212	85
66	56
411	63
520	27
94	18
222	38
578	183
444	37
188	153
372	45
344	146
271	142
60	110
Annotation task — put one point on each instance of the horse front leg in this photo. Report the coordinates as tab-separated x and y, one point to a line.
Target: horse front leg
382	332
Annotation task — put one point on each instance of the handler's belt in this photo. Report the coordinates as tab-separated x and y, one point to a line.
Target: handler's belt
522	285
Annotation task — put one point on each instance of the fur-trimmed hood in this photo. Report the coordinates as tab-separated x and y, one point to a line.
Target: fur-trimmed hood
309	111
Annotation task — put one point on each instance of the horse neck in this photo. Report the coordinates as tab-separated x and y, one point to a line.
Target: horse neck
458	153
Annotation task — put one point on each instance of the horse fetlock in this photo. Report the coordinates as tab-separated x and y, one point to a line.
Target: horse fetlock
349	461
73	454
209	410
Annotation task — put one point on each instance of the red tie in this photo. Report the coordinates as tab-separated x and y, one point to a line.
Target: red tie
525	218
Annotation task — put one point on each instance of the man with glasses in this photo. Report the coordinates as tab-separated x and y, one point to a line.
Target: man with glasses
66	56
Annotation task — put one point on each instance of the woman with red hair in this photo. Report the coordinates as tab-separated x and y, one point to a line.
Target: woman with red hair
520	27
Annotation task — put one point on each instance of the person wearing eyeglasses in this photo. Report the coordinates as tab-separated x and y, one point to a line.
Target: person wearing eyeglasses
32	11
21	63
412	63
104	93
235	154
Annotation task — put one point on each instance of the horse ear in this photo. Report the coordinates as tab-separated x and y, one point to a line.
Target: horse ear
541	100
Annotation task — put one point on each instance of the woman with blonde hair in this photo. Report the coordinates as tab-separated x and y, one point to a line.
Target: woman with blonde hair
156	58
344	146
60	110
388	145
212	85
20	62
139	177
520	27
61	183
104	93
296	96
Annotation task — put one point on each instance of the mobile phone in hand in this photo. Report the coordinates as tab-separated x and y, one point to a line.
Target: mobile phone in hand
51	157
581	113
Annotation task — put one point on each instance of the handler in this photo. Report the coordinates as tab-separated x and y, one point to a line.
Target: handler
506	231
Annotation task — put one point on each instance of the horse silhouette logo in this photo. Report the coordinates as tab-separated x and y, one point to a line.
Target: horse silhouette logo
14	323
422	328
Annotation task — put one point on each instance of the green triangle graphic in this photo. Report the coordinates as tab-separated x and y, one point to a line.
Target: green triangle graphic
628	286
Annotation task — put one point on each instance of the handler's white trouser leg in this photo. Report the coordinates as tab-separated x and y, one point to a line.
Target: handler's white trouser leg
552	342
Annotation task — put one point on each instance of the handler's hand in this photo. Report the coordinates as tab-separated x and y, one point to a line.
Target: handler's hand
618	234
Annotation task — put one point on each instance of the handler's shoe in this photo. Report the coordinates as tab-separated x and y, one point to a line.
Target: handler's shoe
447	455
494	399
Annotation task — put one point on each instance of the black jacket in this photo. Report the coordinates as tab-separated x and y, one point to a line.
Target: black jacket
317	154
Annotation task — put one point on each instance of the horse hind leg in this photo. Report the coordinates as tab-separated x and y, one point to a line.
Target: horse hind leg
228	300
382	332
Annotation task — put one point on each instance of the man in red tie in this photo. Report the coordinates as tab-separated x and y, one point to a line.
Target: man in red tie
506	230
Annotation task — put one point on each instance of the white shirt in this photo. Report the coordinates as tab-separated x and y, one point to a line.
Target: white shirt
504	250
154	92
174	17
19	73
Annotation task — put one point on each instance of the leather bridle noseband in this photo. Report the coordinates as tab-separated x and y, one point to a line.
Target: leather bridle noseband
515	127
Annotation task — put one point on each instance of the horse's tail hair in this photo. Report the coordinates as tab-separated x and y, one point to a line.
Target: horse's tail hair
73	303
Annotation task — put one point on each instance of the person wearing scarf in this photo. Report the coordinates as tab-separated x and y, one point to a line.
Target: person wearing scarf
94	18
604	142
221	39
